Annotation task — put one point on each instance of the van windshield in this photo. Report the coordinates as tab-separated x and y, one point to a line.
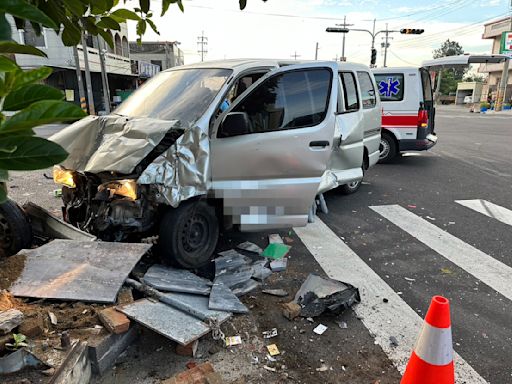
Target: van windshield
182	95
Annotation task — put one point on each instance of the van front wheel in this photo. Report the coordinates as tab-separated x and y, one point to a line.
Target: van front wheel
388	149
189	235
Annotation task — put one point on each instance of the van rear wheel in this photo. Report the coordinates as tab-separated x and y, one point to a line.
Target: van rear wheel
350	188
388	148
189	235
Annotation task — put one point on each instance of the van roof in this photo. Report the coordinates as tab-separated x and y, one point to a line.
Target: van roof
395	69
239	63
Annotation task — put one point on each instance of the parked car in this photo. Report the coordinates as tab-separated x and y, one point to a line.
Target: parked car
408	111
239	142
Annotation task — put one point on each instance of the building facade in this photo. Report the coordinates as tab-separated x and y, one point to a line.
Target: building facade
493	31
165	54
61	59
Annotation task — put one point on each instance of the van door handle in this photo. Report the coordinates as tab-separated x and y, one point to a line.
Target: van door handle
320	143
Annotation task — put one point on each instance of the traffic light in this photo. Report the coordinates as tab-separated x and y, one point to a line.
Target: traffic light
411	31
374	57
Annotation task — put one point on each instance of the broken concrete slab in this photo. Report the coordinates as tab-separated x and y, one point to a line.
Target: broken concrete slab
166	320
276	292
86	271
9	320
275	238
318	294
45	225
169	279
104	350
18	360
250	247
233	278
279	265
243	289
291	310
223	299
76	368
230	261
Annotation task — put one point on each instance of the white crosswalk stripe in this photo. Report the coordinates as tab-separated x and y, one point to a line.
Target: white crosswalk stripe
492	272
489	209
384	320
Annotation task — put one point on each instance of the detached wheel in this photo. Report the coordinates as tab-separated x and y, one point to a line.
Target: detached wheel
15	230
350	188
388	149
189	235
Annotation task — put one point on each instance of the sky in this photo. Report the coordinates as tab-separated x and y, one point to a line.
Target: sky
285	28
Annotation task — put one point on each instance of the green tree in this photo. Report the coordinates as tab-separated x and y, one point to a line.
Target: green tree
36	104
450	77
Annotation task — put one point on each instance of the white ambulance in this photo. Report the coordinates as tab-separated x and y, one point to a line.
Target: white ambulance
407	110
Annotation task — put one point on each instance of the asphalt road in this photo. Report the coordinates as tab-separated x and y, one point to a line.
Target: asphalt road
420	258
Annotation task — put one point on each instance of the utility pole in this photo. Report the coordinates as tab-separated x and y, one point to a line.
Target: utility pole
316	51
386	45
502	89
81	90
372	65
344	25
88	84
295	55
104	76
202	42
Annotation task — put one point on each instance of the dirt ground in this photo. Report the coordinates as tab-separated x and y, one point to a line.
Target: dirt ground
340	355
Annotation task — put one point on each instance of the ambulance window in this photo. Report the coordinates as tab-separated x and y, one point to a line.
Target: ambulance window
391	86
427	85
348	81
367	90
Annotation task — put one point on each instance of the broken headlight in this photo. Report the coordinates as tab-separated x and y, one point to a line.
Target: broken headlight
126	188
64	176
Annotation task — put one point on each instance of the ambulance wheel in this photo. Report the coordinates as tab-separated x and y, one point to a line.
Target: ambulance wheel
388	148
189	235
15	230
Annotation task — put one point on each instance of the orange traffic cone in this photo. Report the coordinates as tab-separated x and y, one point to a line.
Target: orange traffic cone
432	358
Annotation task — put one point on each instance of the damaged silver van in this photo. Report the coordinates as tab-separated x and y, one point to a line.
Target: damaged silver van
239	142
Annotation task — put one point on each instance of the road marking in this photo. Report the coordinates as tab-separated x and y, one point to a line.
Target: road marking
485	268
488	209
383	320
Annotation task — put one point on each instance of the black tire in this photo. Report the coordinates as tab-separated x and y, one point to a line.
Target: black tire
350	188
189	235
15	230
388	148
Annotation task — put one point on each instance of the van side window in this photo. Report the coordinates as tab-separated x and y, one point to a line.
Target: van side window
348	80
367	90
391	86
290	100
427	85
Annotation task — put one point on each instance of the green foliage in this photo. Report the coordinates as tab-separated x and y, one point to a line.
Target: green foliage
19	342
474	78
450	77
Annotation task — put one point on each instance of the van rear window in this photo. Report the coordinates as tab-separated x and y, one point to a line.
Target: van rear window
391	86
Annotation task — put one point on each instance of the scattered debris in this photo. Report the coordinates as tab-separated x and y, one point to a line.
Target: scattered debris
273	350
176	280
53	318
275	238
276	292
291	310
322	368
19	360
318	294
431	218
250	247
270	334
310	319
276	251
270	358
200	374
115	321
87	271
9	320
233	340
279	265
446	271
385	300
243	289
261	273
393	341
409	279
342	324
411	206
269	368
189	350
320	329
223	299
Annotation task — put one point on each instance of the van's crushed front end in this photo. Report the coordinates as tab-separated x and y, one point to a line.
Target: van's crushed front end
101	191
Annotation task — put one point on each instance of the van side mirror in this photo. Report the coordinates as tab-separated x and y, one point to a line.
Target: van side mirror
235	124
